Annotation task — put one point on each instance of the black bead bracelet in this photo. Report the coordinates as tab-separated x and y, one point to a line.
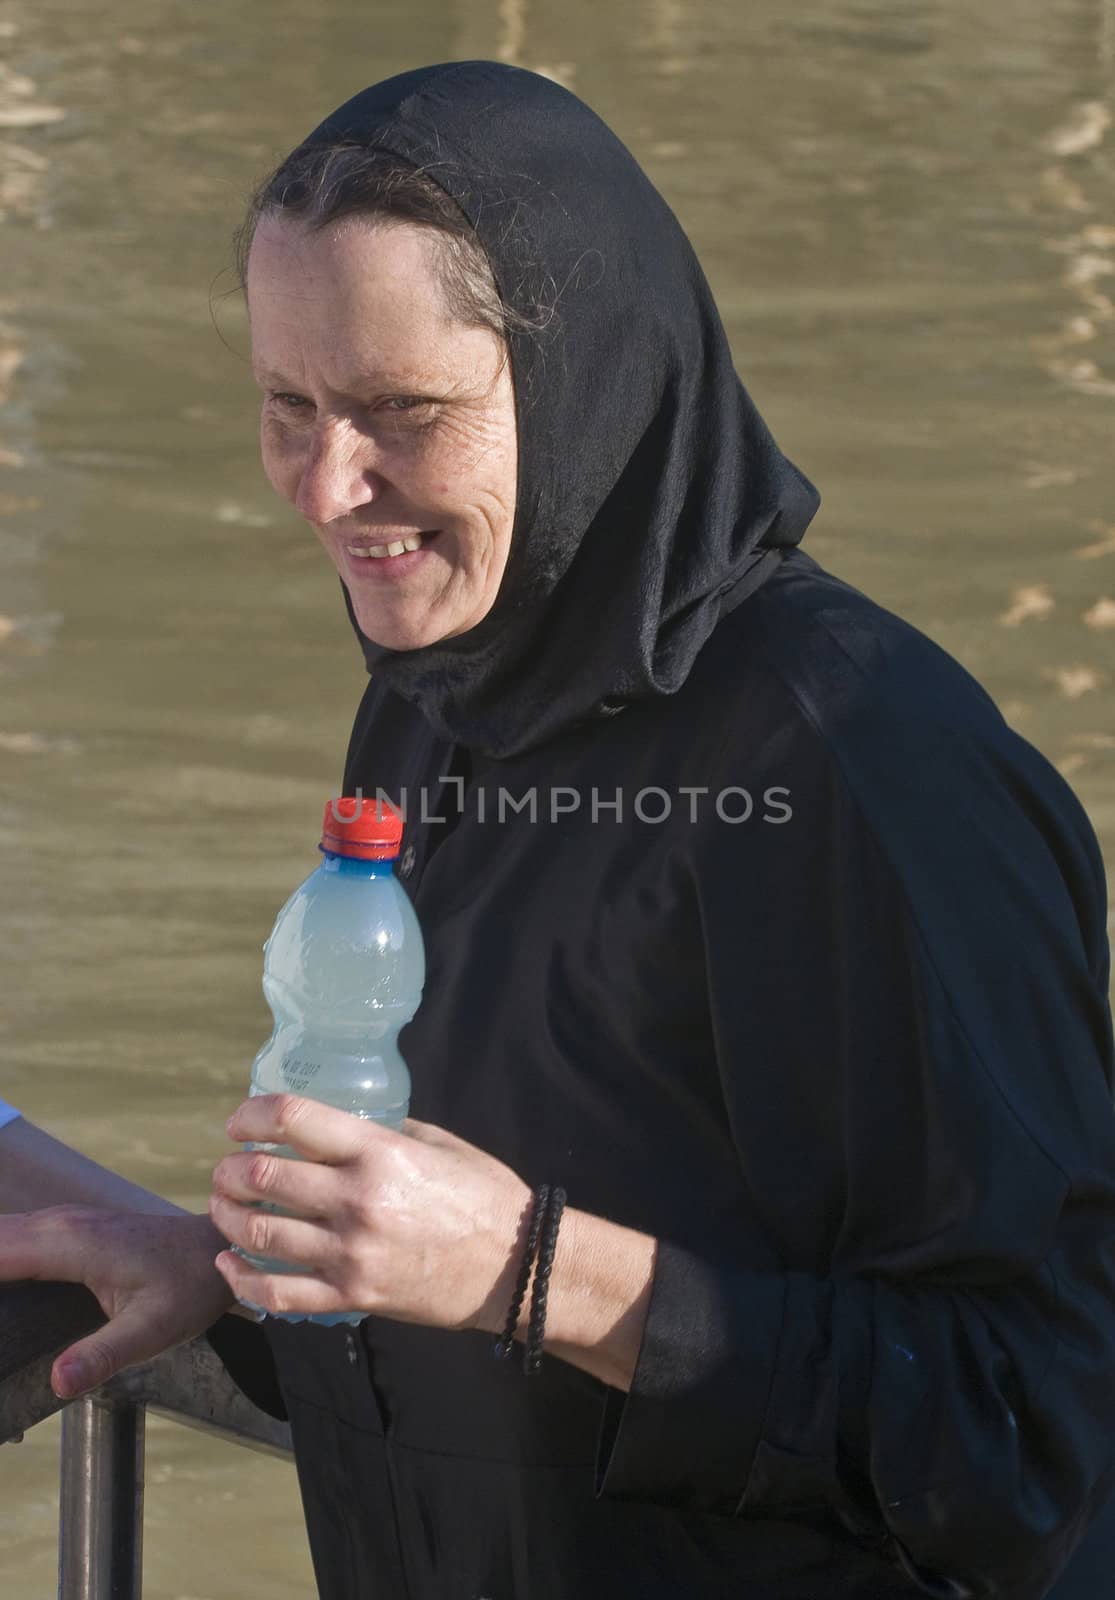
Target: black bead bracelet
538	1256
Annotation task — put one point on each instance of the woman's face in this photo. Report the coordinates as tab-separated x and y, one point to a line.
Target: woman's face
386	422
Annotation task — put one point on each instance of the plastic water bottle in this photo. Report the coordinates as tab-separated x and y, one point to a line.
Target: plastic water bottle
343	972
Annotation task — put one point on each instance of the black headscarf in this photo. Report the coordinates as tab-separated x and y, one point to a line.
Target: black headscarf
650	492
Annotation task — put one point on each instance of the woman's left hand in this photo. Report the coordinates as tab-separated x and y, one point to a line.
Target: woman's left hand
419	1226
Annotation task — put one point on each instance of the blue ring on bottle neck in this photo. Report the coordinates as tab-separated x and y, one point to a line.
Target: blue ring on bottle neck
354	866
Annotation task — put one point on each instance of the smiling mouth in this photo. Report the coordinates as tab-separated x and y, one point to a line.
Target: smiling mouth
396	547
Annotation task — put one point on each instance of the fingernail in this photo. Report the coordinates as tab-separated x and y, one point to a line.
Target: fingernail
69	1380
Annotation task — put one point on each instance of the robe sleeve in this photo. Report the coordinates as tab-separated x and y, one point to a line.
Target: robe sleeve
908	995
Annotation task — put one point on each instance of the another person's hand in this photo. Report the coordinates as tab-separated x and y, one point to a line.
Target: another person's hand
418	1226
153	1276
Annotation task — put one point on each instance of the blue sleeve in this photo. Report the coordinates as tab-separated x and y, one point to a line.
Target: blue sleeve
7	1113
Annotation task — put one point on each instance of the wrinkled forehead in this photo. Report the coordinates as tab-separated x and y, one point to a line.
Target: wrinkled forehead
360	301
299	264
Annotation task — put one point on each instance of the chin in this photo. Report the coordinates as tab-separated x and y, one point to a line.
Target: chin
400	633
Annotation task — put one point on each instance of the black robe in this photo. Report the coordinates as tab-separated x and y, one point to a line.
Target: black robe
821	1004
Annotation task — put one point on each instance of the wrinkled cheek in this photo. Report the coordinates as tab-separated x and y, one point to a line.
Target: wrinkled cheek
280	467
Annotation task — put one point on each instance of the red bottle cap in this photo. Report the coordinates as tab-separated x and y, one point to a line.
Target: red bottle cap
371	830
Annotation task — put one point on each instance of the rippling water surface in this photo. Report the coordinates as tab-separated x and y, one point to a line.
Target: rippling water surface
905	209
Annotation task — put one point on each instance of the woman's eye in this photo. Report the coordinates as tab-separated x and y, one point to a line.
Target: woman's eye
401	404
289	402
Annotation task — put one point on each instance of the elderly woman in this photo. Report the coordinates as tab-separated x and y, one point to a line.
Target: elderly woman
750	925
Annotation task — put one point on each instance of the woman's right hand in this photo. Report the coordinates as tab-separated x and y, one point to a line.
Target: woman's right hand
153	1276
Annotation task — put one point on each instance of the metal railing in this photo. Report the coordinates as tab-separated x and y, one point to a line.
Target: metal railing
100	1534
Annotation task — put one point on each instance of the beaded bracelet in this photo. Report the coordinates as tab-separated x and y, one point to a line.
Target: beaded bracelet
532	1357
538	1255
505	1342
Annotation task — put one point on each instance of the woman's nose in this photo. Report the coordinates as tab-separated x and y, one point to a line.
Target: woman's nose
336	476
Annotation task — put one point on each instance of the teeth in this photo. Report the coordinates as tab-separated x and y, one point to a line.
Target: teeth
377	552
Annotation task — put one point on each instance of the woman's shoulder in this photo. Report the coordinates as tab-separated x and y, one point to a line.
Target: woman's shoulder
849	662
842	685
